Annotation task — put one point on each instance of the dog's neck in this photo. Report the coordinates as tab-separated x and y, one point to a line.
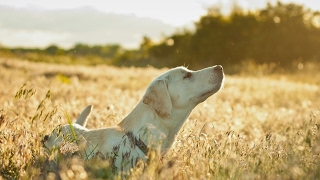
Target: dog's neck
136	118
175	123
150	124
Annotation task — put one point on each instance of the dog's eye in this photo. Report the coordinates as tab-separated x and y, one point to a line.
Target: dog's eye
187	75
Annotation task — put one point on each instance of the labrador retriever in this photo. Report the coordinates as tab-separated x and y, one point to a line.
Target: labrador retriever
153	124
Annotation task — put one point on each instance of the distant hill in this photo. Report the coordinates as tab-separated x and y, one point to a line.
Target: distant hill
66	27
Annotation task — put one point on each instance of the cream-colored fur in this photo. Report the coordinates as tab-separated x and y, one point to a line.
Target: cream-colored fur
64	133
154	122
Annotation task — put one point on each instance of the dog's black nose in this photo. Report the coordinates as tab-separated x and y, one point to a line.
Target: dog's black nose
218	68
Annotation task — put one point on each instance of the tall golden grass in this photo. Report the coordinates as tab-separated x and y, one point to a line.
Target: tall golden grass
257	127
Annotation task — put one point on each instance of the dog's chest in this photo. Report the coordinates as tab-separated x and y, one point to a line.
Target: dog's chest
128	152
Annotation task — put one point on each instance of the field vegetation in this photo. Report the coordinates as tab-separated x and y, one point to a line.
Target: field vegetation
280	33
261	125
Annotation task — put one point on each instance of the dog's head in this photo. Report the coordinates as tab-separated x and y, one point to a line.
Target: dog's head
181	88
68	132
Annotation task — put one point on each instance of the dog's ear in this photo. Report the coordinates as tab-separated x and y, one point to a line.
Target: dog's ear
157	96
83	117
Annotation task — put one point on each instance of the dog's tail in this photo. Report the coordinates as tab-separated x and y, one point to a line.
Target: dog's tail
83	117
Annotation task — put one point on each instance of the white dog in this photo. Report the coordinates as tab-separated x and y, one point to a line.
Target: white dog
154	122
67	133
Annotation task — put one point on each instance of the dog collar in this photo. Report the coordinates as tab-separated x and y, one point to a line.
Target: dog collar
137	142
142	146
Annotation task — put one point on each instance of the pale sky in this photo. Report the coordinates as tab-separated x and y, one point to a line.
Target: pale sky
175	13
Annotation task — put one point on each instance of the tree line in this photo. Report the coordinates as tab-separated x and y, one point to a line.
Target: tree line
279	33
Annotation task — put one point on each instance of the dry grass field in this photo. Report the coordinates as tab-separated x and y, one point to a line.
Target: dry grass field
256	127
